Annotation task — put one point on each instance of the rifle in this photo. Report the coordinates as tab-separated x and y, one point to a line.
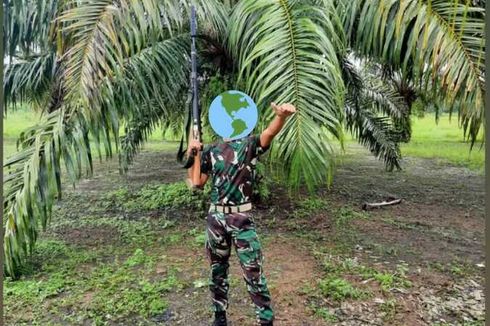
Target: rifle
195	131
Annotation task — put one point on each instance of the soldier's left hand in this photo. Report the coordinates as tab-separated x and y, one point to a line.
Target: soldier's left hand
194	144
283	110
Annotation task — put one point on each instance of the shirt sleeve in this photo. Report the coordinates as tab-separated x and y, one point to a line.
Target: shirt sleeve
206	166
257	147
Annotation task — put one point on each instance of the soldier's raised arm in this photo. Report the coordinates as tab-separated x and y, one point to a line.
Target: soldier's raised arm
282	111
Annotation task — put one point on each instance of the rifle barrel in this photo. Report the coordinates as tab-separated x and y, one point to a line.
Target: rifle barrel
194	80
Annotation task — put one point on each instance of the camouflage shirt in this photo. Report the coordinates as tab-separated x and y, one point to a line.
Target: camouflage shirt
232	166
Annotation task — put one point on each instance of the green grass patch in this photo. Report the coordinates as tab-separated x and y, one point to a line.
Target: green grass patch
100	294
120	291
18	119
347	214
386	279
324	313
336	266
339	289
51	256
22	117
458	269
15	121
164	196
443	140
308	206
141	232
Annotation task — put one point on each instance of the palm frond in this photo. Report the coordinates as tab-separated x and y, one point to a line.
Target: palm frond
33	180
29	79
376	114
136	132
438	42
377	134
29	25
288	53
62	136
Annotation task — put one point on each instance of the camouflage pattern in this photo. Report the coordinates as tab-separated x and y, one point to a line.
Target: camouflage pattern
238	229
232	165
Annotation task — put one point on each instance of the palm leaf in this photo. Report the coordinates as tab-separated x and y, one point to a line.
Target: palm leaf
288	53
29	79
109	54
438	42
33	180
376	114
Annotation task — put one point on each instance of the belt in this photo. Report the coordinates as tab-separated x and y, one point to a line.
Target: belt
230	209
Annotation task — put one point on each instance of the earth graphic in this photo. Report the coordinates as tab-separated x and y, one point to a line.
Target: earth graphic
233	115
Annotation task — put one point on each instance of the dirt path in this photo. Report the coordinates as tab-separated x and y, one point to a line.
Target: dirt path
441	218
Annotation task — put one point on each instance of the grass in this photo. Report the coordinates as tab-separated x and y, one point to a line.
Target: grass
151	197
442	141
324	313
104	284
21	118
16	121
339	289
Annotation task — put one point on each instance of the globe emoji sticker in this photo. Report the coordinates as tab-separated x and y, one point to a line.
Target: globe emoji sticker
233	115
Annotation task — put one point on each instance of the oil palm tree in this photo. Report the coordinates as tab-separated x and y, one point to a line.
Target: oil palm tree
92	66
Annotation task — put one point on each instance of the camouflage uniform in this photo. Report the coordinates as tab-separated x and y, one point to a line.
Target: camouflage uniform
232	166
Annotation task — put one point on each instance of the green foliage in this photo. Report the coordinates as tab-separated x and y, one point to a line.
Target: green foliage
263	183
324	313
339	289
137	258
405	34
34	291
387	280
120	195
65	257
346	214
138	295
116	290
419	109
376	113
200	239
336	266
165	196
275	69
308	206
176	195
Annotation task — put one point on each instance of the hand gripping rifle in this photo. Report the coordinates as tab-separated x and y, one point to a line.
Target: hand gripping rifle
195	131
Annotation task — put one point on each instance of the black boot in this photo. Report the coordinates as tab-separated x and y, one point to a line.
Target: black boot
267	323
220	318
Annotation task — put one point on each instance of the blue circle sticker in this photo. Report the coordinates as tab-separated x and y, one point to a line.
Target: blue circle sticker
233	115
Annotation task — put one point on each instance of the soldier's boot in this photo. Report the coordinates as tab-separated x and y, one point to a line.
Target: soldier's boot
220	318
269	323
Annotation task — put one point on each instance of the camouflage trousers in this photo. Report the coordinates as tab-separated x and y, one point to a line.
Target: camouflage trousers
238	229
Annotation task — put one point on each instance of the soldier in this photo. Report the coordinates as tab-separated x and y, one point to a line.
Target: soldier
231	165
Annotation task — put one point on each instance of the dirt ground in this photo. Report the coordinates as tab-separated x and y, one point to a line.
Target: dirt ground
433	240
